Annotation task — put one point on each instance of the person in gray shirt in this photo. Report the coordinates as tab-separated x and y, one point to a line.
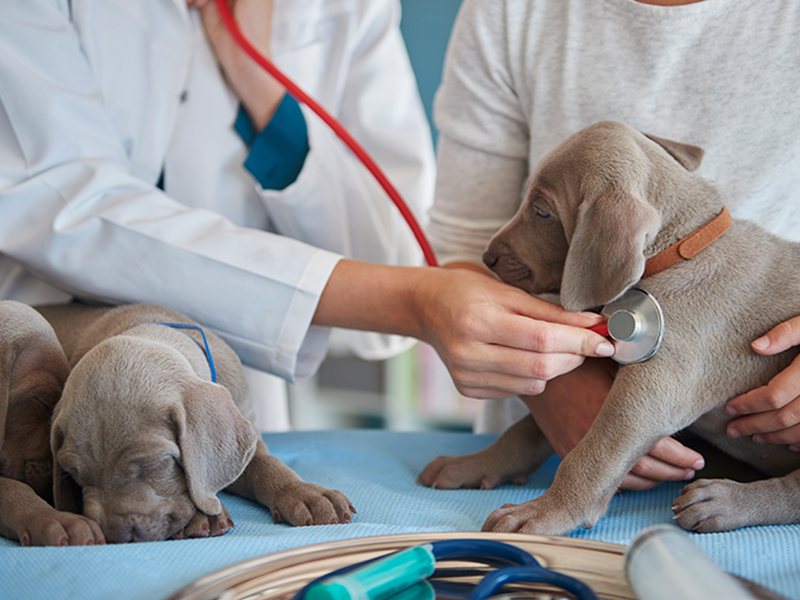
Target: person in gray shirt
522	75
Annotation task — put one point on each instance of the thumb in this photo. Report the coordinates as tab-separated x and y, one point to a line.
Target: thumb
779	338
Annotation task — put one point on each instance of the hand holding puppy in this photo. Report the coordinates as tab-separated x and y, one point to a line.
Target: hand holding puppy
772	411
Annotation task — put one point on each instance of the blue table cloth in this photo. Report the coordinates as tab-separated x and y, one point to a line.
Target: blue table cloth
378	472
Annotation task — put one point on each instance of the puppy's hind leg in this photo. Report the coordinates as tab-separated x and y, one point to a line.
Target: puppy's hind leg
270	482
517	453
713	505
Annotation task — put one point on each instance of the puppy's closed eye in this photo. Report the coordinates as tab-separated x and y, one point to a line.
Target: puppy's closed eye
155	468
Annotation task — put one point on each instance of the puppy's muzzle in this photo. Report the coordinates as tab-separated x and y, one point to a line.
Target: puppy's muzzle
507	267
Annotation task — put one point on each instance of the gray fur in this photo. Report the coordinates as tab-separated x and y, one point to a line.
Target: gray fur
33	370
616	197
144	440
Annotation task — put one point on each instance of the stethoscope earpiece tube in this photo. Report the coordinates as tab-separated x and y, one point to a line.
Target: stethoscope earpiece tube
397	576
298	94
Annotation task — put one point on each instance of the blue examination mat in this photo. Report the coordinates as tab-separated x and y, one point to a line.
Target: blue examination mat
378	471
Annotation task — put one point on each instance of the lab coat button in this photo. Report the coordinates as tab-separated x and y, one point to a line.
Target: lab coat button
184	96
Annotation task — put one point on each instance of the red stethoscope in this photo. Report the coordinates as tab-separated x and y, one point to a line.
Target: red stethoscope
299	95
635	321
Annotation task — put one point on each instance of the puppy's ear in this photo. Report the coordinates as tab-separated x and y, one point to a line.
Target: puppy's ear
32	363
67	494
216	442
606	253
686	154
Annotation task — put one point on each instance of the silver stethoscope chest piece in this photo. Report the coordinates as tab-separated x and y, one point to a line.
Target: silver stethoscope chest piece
636	324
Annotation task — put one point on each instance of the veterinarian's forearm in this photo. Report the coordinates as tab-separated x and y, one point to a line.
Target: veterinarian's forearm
496	340
415	301
372	297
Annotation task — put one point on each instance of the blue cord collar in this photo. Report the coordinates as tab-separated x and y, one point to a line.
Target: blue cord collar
205	343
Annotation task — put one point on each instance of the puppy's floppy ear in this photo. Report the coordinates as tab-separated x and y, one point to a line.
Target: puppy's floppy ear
67	494
30	355
686	154
606	253
216	442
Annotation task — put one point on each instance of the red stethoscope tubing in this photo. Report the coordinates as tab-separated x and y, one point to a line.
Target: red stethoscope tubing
601	328
299	95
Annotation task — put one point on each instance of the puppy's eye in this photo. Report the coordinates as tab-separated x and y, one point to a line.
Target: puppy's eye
541	213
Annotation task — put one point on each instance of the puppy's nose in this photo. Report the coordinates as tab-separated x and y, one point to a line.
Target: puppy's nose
490	259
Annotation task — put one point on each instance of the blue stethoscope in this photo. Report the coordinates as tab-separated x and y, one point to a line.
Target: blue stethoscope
408	573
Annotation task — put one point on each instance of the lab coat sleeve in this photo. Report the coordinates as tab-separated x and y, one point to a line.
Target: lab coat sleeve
483	137
72	213
335	202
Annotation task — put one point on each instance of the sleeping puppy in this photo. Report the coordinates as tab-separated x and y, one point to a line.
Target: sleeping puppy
598	210
143	440
33	370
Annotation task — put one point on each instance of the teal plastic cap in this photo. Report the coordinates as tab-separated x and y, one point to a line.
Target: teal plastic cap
333	590
379	579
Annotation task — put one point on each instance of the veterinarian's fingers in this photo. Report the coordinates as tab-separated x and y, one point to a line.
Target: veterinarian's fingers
496	386
779	338
475	382
536	308
540	335
517	357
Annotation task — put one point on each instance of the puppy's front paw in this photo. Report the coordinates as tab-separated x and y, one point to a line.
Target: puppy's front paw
50	527
544	516
469	471
712	505
310	504
203	525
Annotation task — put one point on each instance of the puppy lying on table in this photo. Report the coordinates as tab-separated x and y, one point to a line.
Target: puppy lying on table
607	210
33	370
143	439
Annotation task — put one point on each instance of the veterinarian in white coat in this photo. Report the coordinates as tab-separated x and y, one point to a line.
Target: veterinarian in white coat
141	163
522	76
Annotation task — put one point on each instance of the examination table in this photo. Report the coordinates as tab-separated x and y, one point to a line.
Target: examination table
378	471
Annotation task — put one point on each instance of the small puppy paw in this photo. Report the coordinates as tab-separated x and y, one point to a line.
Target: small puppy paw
470	471
202	525
55	528
712	505
311	504
543	516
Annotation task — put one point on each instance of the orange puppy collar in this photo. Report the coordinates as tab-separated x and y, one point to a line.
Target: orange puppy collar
690	245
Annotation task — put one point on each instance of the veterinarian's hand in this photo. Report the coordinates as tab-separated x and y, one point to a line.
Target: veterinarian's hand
774	409
496	340
259	92
568	407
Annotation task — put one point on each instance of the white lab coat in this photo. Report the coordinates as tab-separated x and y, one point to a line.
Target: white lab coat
97	96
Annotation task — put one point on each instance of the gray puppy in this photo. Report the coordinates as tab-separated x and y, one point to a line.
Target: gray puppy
597	208
33	370
143	440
